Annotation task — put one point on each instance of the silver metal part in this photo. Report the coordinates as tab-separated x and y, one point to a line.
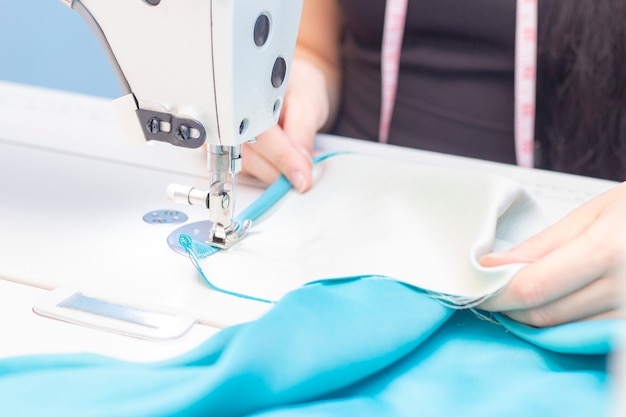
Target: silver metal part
224	164
183	194
71	306
199	231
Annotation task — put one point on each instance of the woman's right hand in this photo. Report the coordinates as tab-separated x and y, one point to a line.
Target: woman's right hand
287	148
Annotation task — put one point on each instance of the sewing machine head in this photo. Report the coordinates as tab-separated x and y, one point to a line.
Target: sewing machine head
196	72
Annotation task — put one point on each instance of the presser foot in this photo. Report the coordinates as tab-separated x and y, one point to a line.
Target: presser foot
224	237
217	234
199	232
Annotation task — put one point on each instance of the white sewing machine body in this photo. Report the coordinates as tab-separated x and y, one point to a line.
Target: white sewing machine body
214	62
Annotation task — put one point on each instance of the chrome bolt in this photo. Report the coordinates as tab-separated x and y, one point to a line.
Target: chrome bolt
183	132
225	201
154	125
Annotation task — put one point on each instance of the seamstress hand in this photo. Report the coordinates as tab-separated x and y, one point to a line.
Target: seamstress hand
574	267
287	148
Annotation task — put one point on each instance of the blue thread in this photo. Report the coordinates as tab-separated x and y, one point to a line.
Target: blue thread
187	242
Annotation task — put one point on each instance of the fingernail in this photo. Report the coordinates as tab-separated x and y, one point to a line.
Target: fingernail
494	255
298	181
500	258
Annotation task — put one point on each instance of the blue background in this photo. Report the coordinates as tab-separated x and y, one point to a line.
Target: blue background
44	43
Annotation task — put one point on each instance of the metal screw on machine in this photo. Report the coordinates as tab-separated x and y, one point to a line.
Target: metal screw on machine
154	125
183	132
225	201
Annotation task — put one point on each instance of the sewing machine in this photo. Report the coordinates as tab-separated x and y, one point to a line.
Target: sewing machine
199	72
74	196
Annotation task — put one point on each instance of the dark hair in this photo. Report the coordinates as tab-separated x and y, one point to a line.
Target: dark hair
581	87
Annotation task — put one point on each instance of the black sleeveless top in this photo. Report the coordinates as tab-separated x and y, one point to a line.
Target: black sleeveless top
455	89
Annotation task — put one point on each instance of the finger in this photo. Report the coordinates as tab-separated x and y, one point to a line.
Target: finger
598	299
287	156
256	165
300	128
563	271
558	234
613	314
503	258
542	243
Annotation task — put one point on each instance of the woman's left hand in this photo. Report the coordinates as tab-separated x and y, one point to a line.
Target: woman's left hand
574	267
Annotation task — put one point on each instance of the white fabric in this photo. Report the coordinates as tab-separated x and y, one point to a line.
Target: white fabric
425	226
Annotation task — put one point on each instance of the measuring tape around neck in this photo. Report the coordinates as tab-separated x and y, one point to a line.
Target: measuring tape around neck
525	73
393	32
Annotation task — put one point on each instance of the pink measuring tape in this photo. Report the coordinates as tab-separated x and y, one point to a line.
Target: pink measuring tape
525	73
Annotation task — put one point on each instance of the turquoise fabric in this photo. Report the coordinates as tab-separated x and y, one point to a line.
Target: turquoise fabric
370	347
